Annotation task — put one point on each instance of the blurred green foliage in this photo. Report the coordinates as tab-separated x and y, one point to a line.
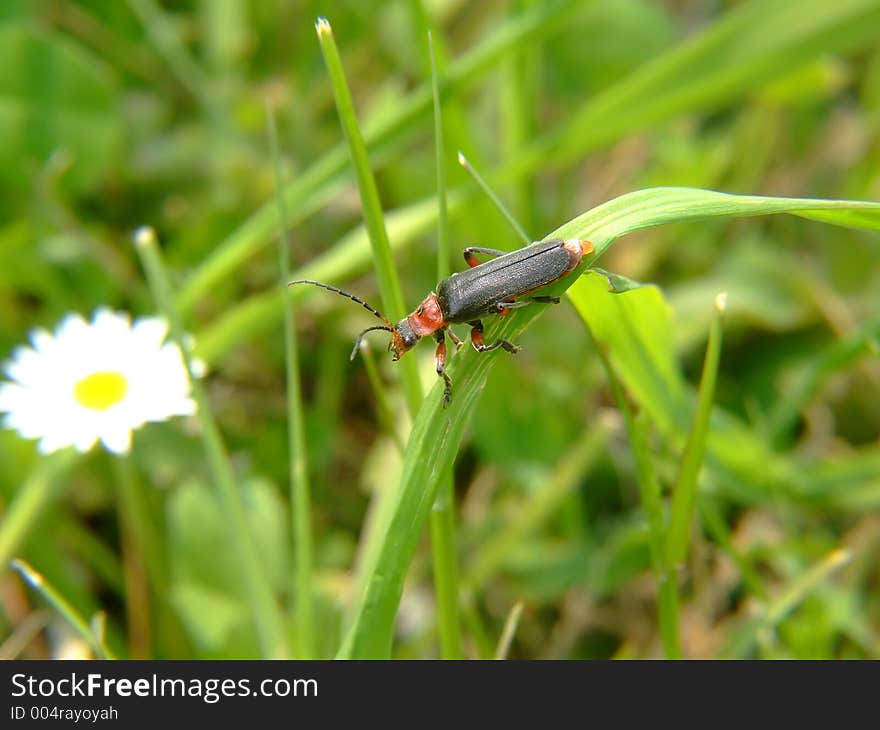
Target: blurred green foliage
114	115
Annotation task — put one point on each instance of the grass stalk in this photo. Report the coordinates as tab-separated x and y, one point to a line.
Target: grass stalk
443	552
519	89
445	563
760	630
265	610
652	504
509	631
684	494
374	220
95	639
300	488
443	256
499	204
668	599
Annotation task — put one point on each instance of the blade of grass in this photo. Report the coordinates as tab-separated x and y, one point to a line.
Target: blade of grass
300	489
668	599
389	285
64	608
477	630
24	633
778	610
400	519
443	257
443	552
509	631
637	427
266	613
684	492
436	434
520	88
444	561
463	161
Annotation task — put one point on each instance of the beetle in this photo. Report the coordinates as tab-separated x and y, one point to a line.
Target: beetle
488	287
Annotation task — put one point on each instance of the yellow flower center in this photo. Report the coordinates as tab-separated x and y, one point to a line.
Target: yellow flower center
100	391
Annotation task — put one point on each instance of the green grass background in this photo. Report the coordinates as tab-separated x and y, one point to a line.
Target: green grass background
567	458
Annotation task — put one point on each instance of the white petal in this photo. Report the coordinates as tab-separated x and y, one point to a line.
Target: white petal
151	331
42	340
117	440
72	327
104	319
83	440
53	442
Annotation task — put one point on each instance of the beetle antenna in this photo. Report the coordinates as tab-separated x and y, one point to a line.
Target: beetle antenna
347	295
357	342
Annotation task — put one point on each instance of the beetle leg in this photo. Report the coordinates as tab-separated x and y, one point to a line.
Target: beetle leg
440	366
473	260
505	307
455	339
480	346
502	307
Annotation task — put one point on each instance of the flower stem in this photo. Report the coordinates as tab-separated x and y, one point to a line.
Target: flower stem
266	613
144	563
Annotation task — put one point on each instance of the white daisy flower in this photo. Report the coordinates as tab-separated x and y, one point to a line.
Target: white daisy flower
94	381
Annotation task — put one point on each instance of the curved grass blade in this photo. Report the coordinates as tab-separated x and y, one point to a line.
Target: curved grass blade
437	434
386	273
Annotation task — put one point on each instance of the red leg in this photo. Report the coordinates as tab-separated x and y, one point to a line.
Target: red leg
479	344
473	260
440	366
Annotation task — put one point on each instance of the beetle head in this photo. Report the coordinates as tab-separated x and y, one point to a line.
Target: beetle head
403	339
